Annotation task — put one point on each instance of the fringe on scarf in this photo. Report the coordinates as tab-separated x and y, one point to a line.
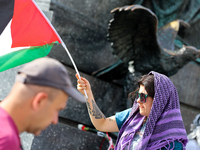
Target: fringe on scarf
167	145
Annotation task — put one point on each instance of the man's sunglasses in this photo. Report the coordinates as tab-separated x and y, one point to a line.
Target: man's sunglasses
142	96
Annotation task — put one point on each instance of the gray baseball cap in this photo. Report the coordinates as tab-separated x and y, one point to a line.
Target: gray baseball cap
49	72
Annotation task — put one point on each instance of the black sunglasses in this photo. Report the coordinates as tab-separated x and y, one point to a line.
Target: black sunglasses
142	96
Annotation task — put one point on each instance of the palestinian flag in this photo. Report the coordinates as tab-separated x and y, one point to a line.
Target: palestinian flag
25	33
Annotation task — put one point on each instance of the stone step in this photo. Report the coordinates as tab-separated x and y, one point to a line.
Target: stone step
63	137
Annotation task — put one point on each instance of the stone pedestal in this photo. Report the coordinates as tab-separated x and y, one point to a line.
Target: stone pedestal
84	38
187	82
63	137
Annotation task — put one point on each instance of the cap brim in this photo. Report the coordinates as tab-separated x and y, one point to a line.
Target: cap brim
75	94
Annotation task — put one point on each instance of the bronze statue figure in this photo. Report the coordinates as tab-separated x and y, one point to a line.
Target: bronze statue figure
135	38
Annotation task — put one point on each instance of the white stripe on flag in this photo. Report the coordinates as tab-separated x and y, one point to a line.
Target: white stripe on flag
6	41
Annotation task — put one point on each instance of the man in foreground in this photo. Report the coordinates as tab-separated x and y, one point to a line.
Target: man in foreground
41	90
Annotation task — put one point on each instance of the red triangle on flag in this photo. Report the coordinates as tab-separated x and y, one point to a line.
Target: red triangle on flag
30	27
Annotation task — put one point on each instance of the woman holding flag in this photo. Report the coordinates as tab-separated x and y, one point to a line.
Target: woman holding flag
153	122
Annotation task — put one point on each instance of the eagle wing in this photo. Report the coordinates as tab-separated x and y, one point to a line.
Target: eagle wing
133	33
134	37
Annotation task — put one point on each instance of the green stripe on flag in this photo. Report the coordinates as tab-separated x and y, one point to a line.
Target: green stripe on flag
23	56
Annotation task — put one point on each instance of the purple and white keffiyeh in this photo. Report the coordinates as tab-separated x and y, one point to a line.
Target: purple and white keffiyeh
164	125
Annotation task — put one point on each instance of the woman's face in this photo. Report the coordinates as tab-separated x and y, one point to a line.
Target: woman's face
145	108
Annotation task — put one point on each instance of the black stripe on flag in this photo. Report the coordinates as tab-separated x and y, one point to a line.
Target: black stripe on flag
6	13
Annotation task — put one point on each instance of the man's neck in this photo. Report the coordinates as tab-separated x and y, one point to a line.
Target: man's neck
15	114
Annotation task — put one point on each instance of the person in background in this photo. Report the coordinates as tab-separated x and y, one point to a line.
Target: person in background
194	136
154	121
41	90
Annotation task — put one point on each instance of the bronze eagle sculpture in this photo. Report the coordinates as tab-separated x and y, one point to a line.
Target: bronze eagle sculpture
135	38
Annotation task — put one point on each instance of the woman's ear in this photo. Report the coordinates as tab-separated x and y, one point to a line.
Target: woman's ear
39	100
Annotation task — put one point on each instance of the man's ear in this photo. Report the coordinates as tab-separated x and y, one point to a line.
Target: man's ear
39	100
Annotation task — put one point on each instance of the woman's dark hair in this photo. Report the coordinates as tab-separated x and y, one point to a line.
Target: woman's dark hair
148	82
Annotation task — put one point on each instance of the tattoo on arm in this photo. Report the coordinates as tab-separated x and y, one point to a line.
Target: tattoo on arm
111	119
88	106
96	112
